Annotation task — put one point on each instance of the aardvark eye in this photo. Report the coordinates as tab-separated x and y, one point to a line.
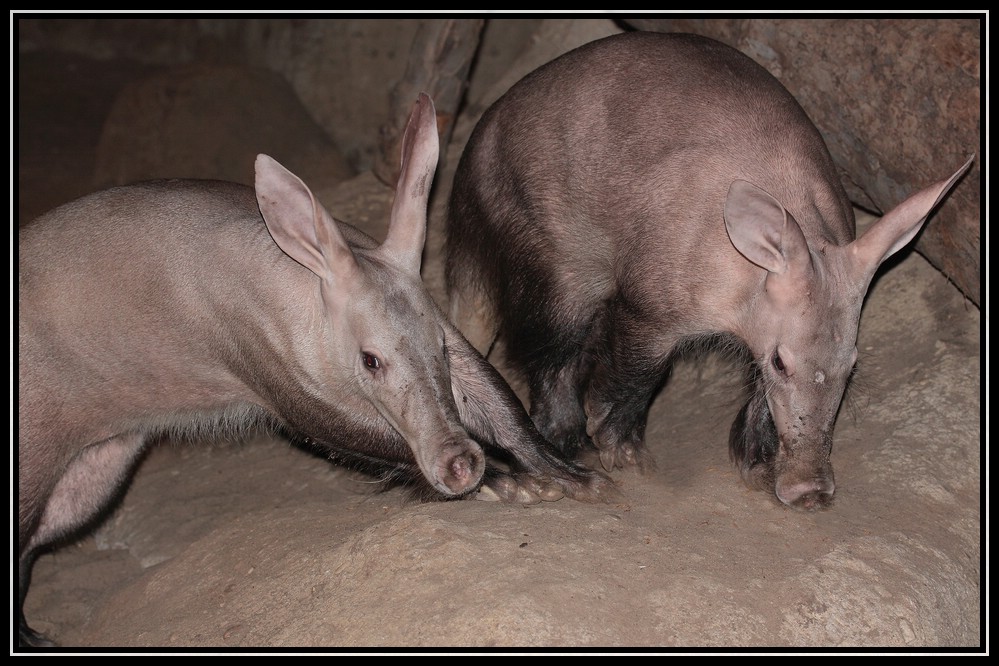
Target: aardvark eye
371	362
779	364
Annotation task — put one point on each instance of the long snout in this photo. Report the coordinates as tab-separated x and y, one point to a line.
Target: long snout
808	494
794	465
456	467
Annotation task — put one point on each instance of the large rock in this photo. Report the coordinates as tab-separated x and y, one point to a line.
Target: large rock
342	68
203	121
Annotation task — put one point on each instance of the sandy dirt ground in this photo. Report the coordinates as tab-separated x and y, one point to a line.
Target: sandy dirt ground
258	546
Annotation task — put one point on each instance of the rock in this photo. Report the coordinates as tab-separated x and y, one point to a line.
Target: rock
203	121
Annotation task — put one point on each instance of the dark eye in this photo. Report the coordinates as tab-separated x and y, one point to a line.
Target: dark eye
371	362
779	364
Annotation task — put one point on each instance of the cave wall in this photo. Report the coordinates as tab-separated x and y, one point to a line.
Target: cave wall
898	100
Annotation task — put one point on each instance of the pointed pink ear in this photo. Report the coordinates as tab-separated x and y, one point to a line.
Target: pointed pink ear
763	231
298	223
420	149
900	225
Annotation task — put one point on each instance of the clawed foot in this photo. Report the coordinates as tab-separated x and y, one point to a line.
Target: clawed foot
622	456
520	489
556	479
615	449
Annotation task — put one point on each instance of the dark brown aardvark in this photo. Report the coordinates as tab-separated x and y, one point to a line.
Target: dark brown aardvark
189	307
648	191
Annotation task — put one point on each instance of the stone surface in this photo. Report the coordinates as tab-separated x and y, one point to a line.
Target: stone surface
342	68
210	121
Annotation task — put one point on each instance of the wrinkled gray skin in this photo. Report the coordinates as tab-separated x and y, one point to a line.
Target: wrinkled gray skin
650	192
191	308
